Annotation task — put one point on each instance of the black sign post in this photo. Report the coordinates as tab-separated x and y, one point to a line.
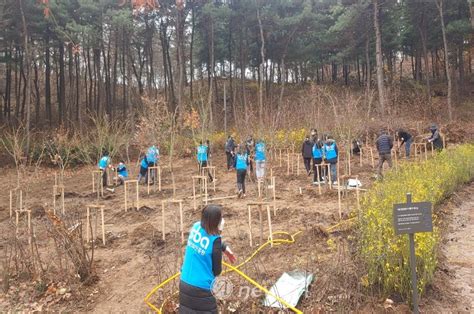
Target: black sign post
410	218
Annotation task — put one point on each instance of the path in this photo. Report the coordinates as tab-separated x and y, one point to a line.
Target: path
454	280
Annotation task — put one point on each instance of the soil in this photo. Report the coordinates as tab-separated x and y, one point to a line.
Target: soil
135	258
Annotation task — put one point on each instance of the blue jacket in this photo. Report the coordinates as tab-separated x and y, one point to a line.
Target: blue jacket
104	162
317	150
144	163
330	151
241	162
260	151
152	154
122	170
202	153
197	265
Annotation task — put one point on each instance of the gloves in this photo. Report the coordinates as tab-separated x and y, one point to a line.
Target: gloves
230	255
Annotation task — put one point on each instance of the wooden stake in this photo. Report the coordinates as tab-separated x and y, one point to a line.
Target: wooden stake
372	157
288	163
203	192
163	220
358	194
360	157
212	171
319	178
339	197
157	170
250	224
11	203
125	187
88	222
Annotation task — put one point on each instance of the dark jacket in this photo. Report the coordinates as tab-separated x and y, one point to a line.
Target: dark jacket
404	136
436	139
230	145
384	144
307	149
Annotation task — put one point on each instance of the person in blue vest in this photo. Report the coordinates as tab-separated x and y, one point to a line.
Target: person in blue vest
203	262
152	156
122	173
260	159
143	174
317	160
330	152
104	164
202	158
241	164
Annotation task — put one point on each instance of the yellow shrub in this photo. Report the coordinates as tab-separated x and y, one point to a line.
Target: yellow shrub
387	255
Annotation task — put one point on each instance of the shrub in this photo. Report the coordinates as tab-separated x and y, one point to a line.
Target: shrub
387	255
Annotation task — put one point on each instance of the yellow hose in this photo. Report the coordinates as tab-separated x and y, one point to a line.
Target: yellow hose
231	269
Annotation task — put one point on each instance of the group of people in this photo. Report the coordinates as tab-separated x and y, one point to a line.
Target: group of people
317	150
242	157
149	159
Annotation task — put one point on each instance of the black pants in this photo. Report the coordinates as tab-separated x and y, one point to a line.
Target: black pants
317	169
203	164
194	300
230	160
307	164
152	172
241	180
104	177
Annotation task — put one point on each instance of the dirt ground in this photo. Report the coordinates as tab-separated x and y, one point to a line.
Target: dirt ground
135	258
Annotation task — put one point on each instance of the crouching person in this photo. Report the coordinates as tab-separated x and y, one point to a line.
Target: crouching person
203	263
122	173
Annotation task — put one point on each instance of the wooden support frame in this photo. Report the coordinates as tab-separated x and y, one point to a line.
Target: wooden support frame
158	175
423	150
97	183
58	189
163	224
203	194
260	206
28	220
19	197
326	168
102	219
125	187
212	171
291	157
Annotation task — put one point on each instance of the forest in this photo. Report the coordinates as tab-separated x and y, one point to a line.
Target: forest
317	130
61	61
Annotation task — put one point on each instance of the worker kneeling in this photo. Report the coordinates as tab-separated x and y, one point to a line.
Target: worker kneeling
203	262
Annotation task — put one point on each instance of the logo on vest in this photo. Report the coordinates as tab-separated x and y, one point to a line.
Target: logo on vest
199	239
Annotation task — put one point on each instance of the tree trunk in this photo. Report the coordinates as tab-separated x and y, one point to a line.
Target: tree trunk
47	83
439	5
378	57
28	78
422	31
262	56
191	46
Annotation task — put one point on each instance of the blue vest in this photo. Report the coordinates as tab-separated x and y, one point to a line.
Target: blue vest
144	163
104	162
241	162
202	153
197	265
152	154
317	152
260	152
330	151
122	170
